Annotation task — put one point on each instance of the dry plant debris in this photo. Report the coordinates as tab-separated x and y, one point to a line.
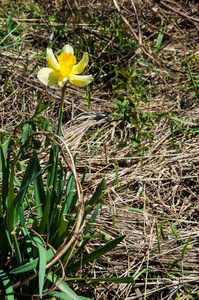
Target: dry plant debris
164	181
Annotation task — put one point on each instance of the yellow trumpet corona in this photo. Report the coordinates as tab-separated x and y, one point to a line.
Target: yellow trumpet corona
64	68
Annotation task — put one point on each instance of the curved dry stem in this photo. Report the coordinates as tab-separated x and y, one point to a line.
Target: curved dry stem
66	245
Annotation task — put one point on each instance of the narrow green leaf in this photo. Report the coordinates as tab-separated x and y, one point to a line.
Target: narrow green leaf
116	174
140	273
7	35
39	191
95	254
193	82
10	200
158	238
84	175
92	219
5	178
84	298
26	267
14	209
42	263
173	229
161	226
84	244
136	210
7	285
28	242
110	280
185	247
164	115
51	162
16	247
69	194
62	287
62	231
39	108
61	184
21	215
59	295
63	296
46	213
1	206
96	196
29	266
102	236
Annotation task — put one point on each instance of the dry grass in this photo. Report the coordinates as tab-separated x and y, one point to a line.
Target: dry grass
163	182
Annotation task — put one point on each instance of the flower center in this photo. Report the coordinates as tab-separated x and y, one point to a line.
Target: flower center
66	62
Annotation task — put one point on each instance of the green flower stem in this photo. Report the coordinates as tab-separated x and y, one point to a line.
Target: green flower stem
61	110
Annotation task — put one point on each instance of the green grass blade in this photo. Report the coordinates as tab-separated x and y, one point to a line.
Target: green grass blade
46	213
28	242
16	248
39	191
84	243
4	148
116	174
96	196
173	229
158	237
110	280
95	254
1	207
42	263
12	214
59	295
7	286
84	175
137	275
136	210
63	296
161	226
32	265
69	194
21	215
185	247
84	298
164	115
103	236
193	82
62	231
61	184
5	177
8	34
62	287
10	201
92	219
51	163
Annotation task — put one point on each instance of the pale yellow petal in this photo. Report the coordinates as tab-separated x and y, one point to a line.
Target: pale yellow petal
62	81
80	80
79	68
48	76
52	61
67	49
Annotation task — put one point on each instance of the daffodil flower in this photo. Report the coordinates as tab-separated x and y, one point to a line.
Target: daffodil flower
64	68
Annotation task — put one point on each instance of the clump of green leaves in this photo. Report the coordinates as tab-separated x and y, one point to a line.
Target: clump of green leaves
40	221
32	238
